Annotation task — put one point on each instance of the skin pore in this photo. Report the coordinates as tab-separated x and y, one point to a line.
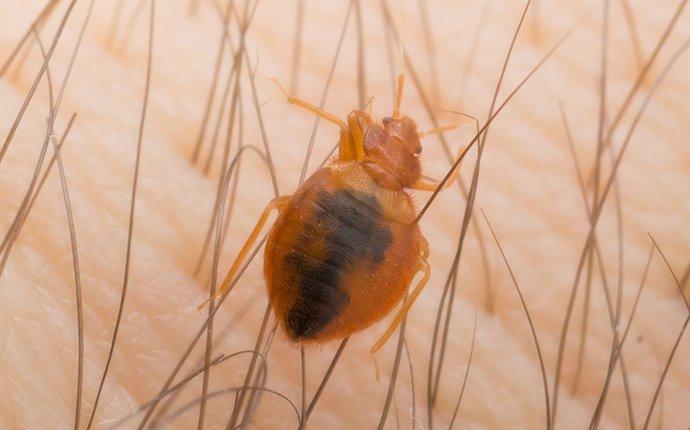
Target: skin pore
528	188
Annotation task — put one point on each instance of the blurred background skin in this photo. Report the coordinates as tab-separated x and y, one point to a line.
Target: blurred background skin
527	186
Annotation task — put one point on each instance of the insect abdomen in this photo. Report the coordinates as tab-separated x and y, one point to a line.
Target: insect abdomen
323	254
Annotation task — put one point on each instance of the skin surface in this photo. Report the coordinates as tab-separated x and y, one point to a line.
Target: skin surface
527	187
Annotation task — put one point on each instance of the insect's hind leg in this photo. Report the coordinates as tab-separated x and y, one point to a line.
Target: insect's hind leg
424	267
278	203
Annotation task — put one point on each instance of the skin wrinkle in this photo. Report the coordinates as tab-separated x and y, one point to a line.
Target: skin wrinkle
529	191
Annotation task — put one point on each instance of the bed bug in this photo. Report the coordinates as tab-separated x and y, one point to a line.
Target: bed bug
346	245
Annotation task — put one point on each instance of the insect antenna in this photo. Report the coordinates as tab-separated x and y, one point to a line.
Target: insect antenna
440	129
400	81
369	106
398	95
451	126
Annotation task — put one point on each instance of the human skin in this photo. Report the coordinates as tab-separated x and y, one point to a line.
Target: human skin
527	187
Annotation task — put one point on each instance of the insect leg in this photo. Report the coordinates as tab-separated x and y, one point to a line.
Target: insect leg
317	111
312	108
348	149
426	271
278	203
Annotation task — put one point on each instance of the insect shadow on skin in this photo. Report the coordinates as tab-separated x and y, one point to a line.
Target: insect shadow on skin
347	245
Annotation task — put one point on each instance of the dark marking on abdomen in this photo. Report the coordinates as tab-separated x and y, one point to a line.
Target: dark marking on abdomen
351	231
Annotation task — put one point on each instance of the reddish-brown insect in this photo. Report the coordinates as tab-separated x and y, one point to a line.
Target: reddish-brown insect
346	246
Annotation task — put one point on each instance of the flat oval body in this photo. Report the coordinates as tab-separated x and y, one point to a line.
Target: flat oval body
340	255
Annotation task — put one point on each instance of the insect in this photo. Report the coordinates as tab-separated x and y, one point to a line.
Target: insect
346	245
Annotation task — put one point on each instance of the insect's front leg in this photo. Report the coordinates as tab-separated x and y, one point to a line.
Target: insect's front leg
423	266
278	203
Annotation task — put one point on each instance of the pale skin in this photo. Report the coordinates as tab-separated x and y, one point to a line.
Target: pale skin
528	189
